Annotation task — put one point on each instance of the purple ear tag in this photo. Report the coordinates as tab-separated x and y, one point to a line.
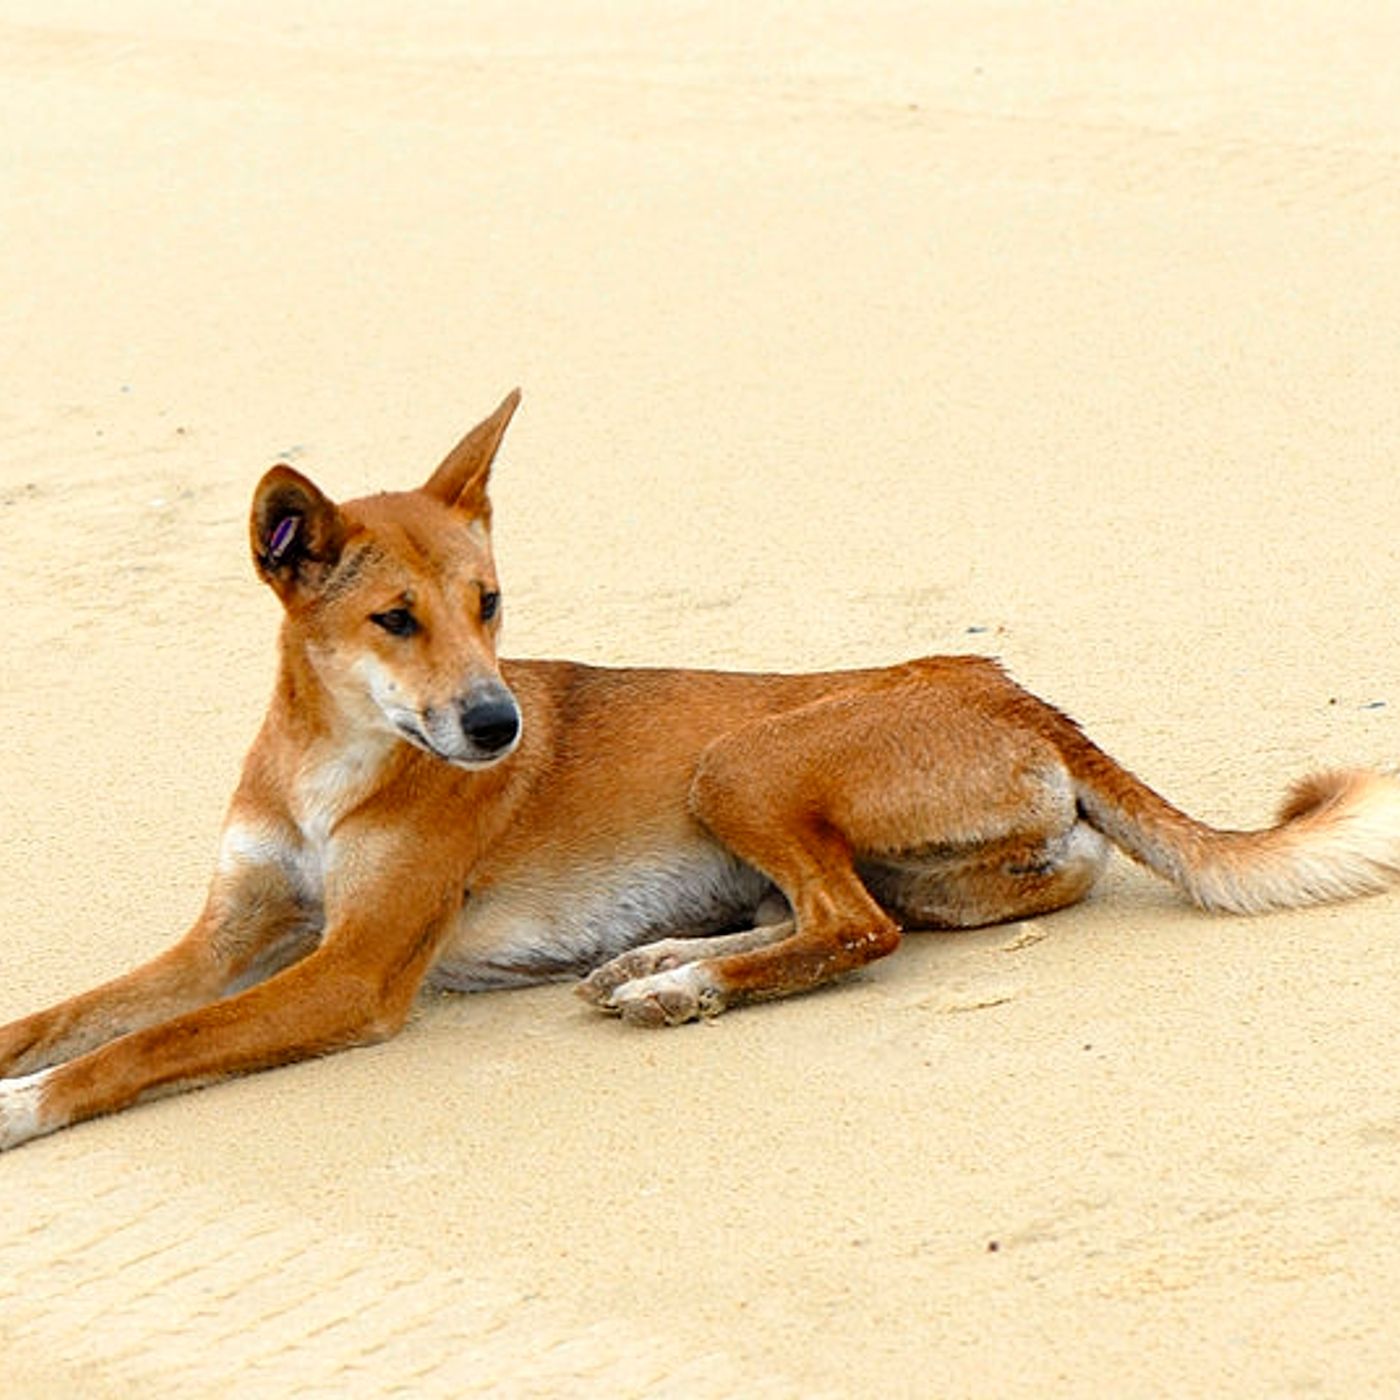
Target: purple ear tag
282	538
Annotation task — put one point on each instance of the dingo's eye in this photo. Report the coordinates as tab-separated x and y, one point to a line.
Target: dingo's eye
398	622
490	604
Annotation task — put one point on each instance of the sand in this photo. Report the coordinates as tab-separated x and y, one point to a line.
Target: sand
846	332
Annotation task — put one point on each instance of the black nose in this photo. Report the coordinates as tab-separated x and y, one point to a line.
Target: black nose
491	722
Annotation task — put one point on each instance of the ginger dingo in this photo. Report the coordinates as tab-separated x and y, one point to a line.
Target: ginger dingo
414	809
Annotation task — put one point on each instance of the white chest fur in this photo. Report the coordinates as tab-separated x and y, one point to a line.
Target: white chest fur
326	788
333	782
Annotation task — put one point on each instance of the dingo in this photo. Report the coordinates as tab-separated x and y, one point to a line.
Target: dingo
414	809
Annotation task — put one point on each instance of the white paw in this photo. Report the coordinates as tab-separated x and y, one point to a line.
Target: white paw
666	998
602	983
20	1101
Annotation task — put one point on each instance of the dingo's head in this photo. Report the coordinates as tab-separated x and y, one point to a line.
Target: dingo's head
393	600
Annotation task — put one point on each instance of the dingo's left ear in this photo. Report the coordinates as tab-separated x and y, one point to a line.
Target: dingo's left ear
461	479
295	531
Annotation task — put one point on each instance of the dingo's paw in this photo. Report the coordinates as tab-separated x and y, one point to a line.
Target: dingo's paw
20	1101
600	984
665	998
674	979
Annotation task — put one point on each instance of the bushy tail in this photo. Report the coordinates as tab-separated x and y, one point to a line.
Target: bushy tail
1337	835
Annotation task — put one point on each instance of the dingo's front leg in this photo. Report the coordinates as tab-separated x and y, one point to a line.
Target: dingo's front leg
255	920
356	987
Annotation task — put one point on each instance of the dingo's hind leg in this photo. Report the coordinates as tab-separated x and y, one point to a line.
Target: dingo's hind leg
1016	879
882	779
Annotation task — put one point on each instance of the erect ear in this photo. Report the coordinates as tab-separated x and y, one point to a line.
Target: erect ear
295	531
461	479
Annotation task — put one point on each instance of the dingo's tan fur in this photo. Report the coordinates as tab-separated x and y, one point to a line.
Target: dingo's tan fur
415	810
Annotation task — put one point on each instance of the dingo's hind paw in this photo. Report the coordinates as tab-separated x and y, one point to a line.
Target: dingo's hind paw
666	998
674	979
600	984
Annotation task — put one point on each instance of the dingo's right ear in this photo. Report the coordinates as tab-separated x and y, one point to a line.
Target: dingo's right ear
295	531
460	479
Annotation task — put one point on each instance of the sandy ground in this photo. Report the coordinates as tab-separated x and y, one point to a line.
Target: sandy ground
847	332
